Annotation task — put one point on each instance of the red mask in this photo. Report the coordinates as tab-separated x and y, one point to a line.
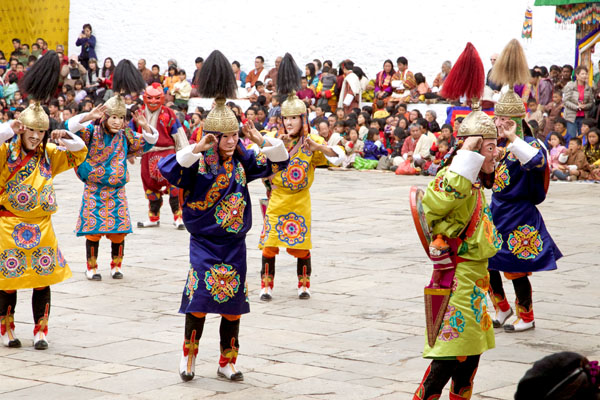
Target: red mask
154	97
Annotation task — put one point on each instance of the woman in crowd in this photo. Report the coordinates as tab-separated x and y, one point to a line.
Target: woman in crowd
578	98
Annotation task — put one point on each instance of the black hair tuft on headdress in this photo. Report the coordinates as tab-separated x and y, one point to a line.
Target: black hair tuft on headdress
41	81
216	77
288	76
127	78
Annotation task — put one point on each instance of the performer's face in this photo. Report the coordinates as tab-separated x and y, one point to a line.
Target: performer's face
114	123
227	144
490	152
500	121
292	124
31	139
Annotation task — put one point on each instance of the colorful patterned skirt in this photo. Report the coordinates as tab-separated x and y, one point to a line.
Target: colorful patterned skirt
467	327
29	254
526	244
216	281
287	220
103	210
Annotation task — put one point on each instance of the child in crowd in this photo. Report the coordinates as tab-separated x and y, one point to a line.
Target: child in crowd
560	127
586	125
418	93
457	123
552	110
592	147
373	148
79	92
576	166
353	146
558	151
273	124
442	149
533	112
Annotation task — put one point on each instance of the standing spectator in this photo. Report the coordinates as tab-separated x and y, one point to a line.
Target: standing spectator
495	87
199	61
257	74
566	76
60	52
530	91
87	41
578	97
13	70
350	91
182	89
553	110
240	76
146	73
545	87
106	79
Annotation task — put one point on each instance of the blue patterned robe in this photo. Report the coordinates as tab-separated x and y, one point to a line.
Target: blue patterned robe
217	212
518	188
104	207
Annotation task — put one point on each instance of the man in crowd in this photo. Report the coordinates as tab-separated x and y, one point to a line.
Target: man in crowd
257	74
146	73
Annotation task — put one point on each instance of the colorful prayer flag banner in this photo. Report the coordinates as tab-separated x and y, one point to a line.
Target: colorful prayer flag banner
527	24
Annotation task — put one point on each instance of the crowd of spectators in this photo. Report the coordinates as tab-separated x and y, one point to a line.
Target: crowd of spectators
378	132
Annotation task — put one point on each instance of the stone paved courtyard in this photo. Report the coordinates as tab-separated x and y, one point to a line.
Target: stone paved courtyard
359	337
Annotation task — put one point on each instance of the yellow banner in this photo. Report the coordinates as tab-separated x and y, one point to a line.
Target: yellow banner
31	19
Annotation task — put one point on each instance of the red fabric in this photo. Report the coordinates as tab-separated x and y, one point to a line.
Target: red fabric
581	90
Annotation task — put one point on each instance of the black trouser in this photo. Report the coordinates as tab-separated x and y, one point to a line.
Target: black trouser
522	289
440	372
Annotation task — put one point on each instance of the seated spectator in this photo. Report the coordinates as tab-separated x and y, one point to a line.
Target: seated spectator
592	147
534	113
422	88
257	74
11	88
586	125
363	120
171	79
274	108
311	76
439	80
373	148
80	93
182	89
416	147
576	166
261	117
383	80
240	76
442	149
558	152
353	146
560	127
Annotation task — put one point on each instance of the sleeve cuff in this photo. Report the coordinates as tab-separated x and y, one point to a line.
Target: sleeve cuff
152	137
74	124
277	151
467	164
6	132
340	156
75	143
186	158
522	150
563	157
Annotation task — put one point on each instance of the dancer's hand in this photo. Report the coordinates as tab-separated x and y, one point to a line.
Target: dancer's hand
16	126
140	120
250	131
473	143
205	143
58	134
96	113
510	130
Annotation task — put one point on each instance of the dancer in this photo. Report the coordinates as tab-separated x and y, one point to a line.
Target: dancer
29	253
520	185
171	137
104	210
288	216
214	174
455	208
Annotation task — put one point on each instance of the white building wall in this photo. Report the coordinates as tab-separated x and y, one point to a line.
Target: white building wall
427	32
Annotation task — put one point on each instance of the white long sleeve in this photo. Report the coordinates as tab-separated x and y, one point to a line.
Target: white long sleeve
186	157
341	156
6	132
276	151
74	123
522	150
150	137
467	164
74	143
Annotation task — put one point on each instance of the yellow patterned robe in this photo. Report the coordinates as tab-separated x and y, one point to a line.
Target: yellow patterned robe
288	217
29	253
